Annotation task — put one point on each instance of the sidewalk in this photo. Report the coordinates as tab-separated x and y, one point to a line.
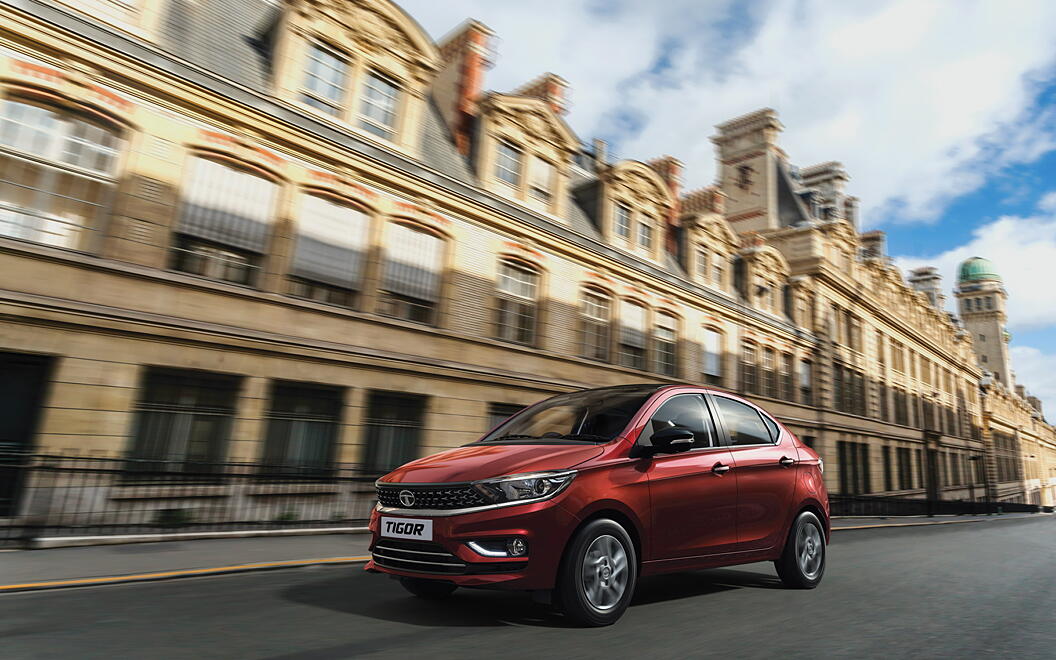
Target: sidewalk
24	570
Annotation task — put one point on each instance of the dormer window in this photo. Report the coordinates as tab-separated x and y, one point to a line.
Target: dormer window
541	180
702	264
645	235
508	164
324	81
377	112
622	221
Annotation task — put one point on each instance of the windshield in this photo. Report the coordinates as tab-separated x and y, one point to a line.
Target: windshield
587	416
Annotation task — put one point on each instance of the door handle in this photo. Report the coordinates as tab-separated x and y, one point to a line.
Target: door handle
719	468
786	461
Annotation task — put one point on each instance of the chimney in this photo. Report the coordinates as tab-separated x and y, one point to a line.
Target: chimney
928	281
874	244
704	200
549	87
670	170
465	55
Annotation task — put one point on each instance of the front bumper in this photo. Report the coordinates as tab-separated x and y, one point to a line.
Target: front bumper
544	525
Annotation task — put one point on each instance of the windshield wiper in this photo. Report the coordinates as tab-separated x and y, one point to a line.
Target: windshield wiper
513	436
589	437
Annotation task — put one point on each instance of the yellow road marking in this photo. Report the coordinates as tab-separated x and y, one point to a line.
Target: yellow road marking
184	573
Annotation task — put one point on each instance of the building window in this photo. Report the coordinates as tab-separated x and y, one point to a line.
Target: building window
393	429
508	163
905	468
989	302
885	455
665	339
183	420
377	111
854	467
622	220
717	270
324	80
541	182
500	412
217	262
703	270
787	392
303	425
597	322
410	287
982	337
225	221
744	176
769	374
711	362
806	383
645	235
56	175
515	305
632	335
749	369
331	251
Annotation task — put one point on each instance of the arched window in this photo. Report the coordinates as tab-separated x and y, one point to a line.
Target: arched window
56	175
515	302
597	324
633	333
225	221
331	251
711	357
410	284
665	341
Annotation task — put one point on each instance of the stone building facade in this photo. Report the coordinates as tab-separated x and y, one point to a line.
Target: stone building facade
303	233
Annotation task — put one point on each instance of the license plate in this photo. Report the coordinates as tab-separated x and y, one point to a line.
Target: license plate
407	528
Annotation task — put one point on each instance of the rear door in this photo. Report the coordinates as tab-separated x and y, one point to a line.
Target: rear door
693	494
765	460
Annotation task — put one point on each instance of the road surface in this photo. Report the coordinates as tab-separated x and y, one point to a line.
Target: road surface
949	591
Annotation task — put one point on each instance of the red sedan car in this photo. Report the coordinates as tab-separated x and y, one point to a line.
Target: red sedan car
579	495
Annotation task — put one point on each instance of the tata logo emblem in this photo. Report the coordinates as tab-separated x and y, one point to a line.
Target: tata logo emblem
406	498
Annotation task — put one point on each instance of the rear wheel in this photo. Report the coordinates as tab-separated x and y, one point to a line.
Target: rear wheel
598	574
428	589
803	561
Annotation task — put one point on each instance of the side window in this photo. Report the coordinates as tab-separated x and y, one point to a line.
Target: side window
744	423
686	411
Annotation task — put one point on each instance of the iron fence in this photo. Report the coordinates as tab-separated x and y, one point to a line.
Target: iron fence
865	505
85	496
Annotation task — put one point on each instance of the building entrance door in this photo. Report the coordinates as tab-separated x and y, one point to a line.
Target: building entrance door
22	387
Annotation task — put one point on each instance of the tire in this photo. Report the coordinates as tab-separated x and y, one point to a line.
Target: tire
598	574
428	589
802	564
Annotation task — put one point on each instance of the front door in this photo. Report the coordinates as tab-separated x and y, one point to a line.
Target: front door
693	494
21	394
766	463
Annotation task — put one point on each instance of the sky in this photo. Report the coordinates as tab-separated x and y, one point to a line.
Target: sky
943	112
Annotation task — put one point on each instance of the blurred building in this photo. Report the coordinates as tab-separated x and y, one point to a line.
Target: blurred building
303	233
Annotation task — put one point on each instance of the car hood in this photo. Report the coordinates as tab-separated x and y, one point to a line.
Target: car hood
482	461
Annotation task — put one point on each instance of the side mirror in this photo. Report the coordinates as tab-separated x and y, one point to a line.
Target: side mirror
672	440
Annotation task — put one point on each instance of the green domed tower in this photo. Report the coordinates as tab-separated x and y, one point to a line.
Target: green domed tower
981	300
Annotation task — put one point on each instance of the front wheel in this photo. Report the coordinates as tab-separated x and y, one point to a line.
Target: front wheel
598	574
428	589
803	561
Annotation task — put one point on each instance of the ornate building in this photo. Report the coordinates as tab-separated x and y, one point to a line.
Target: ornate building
303	233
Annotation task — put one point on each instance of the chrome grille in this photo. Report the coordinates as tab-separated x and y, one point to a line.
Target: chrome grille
461	496
417	556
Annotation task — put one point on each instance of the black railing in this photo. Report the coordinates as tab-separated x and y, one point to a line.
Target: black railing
865	505
84	496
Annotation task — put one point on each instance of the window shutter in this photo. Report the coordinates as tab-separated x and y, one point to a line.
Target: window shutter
228	206
331	242
632	324
412	263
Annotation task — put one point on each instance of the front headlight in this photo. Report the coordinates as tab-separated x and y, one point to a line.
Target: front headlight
525	487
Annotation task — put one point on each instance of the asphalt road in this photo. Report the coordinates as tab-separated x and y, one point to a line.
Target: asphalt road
949	591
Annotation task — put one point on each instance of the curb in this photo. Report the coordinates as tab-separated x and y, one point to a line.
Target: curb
912	524
46	542
173	575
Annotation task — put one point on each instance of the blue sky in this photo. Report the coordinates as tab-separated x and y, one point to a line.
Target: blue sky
943	112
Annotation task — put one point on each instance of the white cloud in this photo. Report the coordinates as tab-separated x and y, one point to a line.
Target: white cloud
920	100
1037	370
1047	201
